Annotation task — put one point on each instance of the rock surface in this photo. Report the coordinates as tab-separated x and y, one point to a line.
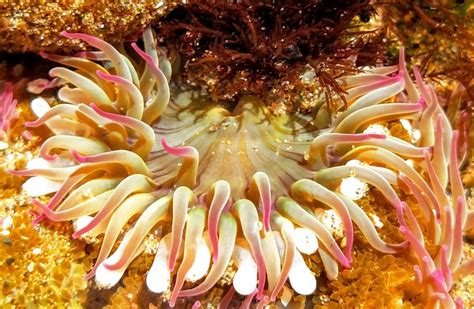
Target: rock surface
33	28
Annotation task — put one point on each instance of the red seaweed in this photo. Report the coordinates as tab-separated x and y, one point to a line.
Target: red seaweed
252	47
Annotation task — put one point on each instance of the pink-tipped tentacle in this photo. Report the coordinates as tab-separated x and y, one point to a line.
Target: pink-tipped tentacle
457	189
435	181
66	187
294	212
409	86
383	156
7	107
439	157
418	276
61	109
415	227
419	196
130	161
265	193
134	205
136	98
249	221
44	209
112	54
448	234
182	197
463	131
58	173
44	153
446	271
225	301
220	197
154	110
21	173
188	172
309	191
358	91
78	157
227	236
439	281
125	120
317	149
85	208
422	102
132	184
458	302
38	218
111	116
286	231
362	220
146	135
425	94
263	302
457	247
153	214
148	59
194	230
248	300
27	135
423	255
92	55
183	151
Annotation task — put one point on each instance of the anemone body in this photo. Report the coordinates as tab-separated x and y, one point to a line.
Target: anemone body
242	185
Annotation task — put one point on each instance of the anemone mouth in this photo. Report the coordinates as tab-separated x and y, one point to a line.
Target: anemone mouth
243	185
232	145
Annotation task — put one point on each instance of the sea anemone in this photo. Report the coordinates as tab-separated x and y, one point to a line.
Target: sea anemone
243	186
8	113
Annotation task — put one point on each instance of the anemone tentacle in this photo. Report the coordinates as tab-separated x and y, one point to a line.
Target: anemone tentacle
7	111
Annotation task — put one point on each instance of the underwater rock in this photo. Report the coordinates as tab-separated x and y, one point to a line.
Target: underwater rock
33	28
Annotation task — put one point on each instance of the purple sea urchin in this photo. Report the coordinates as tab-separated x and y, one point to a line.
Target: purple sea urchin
242	185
